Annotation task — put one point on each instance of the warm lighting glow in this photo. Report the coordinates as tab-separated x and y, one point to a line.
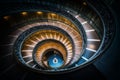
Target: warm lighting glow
6	17
84	3
39	12
24	13
53	14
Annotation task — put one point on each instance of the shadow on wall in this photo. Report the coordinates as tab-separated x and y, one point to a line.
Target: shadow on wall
109	63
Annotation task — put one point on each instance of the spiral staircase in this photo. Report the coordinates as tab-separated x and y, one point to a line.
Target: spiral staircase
47	39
